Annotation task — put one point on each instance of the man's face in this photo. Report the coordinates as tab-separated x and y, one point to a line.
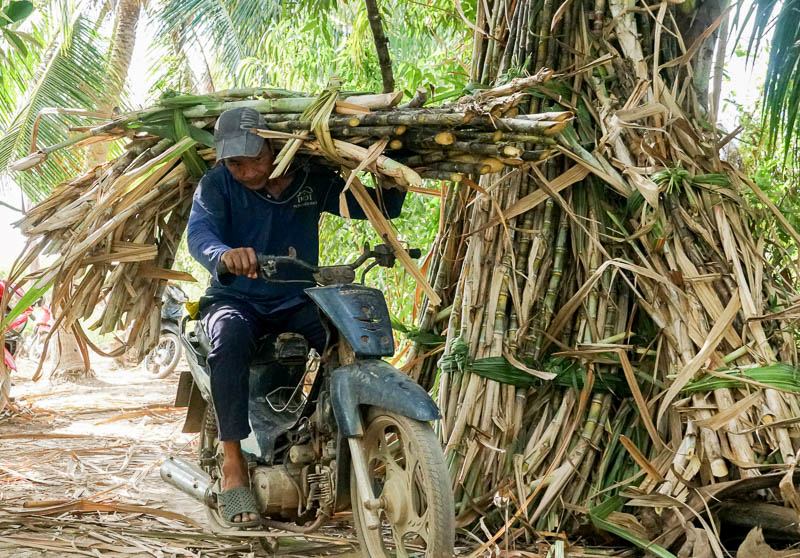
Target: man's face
252	171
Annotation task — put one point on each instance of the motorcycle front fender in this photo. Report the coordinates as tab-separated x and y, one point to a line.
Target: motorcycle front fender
376	383
370	383
168	326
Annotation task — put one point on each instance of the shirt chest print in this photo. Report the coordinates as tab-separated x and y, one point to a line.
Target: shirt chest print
305	198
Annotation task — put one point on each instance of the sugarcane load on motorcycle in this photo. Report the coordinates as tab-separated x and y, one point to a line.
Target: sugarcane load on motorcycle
299	417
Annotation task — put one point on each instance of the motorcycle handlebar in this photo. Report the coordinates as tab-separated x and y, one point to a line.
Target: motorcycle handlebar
225	276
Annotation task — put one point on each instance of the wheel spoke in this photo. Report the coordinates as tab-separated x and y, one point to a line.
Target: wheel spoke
387	449
401	499
399	544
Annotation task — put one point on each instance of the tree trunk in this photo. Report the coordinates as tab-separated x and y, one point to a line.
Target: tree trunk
68	363
381	45
123	41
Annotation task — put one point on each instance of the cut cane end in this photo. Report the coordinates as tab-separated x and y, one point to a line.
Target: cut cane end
26	163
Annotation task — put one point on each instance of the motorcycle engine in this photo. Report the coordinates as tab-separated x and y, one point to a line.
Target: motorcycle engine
289	490
276	491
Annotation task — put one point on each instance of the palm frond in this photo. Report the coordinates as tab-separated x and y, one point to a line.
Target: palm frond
78	53
232	29
15	58
11	15
782	82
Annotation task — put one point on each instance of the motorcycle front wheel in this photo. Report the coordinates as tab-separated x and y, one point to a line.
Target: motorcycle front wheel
408	475
164	358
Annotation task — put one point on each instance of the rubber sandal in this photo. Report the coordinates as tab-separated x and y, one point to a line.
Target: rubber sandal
236	501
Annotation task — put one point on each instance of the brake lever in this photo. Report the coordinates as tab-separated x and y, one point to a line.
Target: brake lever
366	270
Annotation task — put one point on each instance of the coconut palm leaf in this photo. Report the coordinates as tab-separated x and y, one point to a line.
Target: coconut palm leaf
15	53
74	50
11	15
232	29
782	82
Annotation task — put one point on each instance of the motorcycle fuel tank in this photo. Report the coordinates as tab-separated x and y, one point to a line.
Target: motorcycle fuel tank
361	316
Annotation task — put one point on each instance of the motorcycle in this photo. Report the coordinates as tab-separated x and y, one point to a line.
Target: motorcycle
165	356
334	431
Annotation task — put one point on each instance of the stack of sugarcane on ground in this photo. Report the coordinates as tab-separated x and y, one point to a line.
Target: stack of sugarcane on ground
620	351
116	229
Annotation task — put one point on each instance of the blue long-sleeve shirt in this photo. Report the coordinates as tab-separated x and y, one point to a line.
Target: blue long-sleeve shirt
225	214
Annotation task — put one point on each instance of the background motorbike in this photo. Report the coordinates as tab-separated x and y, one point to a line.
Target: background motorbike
164	358
341	430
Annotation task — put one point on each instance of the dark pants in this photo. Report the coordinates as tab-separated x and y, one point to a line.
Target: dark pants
234	327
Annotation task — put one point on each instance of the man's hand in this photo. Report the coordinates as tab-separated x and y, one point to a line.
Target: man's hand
241	261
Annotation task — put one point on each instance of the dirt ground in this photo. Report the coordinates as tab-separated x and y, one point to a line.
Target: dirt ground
79	475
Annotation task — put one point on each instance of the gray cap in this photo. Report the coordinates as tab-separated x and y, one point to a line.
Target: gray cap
232	136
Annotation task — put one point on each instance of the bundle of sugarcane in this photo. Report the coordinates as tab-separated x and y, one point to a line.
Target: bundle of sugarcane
116	229
614	332
477	135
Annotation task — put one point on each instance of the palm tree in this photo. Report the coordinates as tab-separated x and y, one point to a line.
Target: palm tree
36	85
782	83
123	40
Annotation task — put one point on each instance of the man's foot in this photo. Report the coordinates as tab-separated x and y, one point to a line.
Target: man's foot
234	474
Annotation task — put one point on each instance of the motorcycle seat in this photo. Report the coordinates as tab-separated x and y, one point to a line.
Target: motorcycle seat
265	346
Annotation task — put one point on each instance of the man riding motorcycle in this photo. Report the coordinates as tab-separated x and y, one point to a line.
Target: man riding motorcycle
237	212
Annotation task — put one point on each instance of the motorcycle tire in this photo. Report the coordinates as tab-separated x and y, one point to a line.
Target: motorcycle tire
164	369
408	473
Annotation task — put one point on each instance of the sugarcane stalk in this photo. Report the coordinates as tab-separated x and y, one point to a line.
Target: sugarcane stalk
559	254
372	131
598	409
462	168
499	135
509	50
448	176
